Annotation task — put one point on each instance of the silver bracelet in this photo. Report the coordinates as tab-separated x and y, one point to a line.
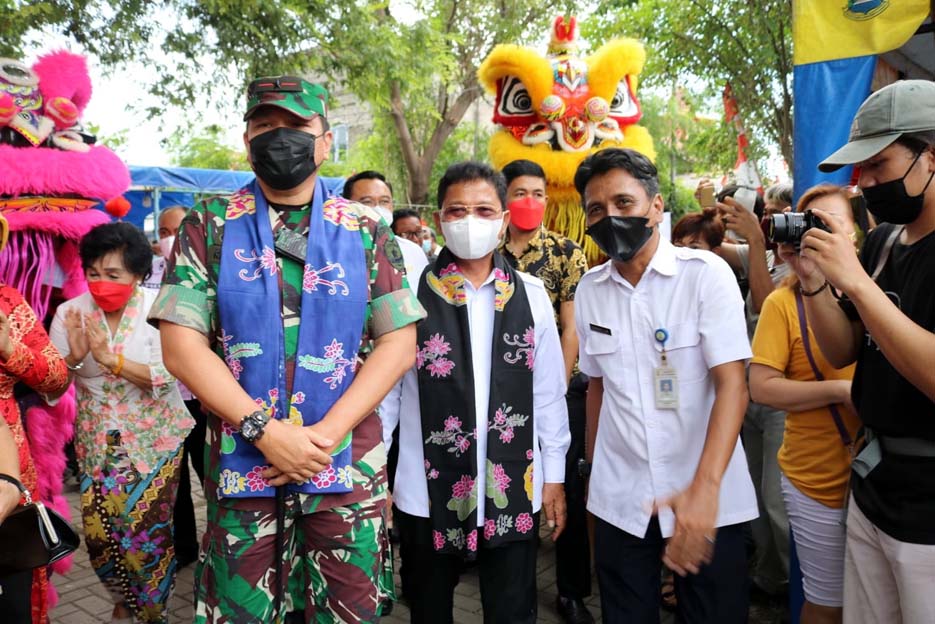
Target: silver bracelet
76	367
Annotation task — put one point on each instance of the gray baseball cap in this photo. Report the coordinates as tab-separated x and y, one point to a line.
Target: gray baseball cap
900	108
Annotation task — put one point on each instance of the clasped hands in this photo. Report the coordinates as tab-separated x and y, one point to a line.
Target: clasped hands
296	453
85	335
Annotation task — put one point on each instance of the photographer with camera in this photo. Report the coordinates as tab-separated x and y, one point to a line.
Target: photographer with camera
885	323
758	272
789	373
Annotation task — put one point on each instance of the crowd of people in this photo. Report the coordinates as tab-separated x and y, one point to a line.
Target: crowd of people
344	387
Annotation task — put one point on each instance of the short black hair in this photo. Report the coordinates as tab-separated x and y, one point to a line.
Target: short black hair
468	171
403	213
520	168
118	236
759	205
636	164
363	175
917	142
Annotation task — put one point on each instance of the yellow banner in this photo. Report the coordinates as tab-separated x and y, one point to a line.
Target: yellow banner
824	30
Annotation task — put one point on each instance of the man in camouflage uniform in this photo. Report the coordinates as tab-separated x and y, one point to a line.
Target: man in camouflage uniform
334	564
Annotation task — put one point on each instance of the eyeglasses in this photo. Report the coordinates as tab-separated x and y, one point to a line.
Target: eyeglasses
482	211
415	236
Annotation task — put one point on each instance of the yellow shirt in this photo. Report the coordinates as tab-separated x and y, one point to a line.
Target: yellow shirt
813	456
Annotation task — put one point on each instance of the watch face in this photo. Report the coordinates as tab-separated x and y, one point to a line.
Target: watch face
248	429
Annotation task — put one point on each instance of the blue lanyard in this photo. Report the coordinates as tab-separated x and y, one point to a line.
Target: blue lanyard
662	336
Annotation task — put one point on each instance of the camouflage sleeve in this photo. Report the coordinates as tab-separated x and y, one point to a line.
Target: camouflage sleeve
188	294
576	265
393	304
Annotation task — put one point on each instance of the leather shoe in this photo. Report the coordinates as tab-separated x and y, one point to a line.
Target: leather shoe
573	611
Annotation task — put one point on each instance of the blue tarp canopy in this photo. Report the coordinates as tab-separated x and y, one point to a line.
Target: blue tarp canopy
154	189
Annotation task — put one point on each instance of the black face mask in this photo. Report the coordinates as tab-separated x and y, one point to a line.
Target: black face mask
889	202
283	158
621	238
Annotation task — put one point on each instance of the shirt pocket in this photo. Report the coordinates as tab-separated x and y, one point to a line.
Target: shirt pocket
684	352
603	348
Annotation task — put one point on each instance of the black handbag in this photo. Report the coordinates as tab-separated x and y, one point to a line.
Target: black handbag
33	535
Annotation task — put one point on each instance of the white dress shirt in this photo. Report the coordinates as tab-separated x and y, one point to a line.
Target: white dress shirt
550	414
643	453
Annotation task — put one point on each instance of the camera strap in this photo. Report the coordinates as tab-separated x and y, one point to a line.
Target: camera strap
885	252
806	344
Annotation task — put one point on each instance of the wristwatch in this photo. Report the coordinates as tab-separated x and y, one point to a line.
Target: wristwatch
252	425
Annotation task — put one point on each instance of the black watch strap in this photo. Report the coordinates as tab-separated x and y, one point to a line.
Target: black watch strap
19	486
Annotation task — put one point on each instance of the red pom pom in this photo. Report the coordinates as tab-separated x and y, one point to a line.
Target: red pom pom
117	207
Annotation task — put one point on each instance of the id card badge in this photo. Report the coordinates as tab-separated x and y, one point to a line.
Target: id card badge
666	387
665	379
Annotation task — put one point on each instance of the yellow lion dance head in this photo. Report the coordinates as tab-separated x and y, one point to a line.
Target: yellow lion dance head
557	109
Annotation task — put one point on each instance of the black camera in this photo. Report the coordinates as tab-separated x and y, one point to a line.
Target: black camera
789	227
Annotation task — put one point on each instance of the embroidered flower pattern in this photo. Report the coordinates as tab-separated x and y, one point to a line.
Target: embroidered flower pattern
525	347
527	482
312	279
505	422
334	364
458	440
266	259
472	541
430	473
490	528
234	352
438	540
433	353
255	479
524	523
325	478
463	497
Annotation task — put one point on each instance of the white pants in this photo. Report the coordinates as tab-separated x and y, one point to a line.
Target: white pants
818	532
886	581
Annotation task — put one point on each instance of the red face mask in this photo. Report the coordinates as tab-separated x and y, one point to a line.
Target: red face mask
526	213
110	296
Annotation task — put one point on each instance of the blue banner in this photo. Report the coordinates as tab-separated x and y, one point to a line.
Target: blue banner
827	95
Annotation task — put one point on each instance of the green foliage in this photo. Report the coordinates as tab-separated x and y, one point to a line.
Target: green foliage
205	150
748	44
420	70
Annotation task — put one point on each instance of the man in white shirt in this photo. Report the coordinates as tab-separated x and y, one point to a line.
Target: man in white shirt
663	340
483	427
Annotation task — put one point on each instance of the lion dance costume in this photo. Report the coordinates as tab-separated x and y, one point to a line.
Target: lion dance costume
52	176
557	109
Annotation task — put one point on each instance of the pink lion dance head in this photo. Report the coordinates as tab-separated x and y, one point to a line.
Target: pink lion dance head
51	174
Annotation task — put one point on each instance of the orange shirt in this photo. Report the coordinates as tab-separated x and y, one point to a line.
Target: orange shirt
812	455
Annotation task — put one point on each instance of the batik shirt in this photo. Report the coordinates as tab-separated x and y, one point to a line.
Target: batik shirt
556	260
188	298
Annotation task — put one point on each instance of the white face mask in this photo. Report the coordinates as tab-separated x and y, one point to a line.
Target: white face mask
471	238
165	245
386	214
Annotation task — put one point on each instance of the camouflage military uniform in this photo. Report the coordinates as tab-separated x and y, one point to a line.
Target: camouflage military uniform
336	564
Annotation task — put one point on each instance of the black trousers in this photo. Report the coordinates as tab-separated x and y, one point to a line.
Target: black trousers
185	530
573	550
15	598
628	574
507	576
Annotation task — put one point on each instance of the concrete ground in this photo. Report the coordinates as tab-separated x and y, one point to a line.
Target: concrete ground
83	600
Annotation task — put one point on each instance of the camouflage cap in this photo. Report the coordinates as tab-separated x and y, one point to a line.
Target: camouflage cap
300	97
